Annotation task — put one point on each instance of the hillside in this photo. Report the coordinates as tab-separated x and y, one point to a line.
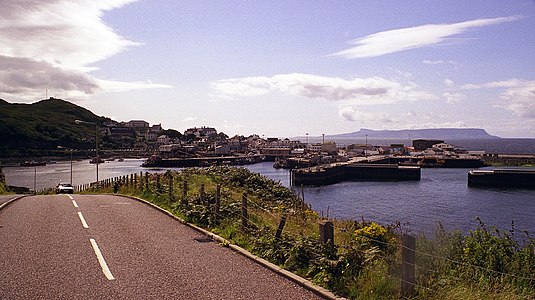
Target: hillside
435	133
44	125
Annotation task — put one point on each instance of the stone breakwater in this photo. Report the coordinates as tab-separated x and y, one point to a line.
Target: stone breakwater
331	174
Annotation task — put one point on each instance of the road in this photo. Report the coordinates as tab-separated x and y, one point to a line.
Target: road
5	198
110	247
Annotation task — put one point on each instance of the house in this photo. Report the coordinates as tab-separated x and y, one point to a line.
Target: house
119	132
163	140
201	132
136	124
151	135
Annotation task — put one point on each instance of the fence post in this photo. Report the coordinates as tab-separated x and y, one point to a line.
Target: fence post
244	215
326	232
170	188
408	263
158	186
281	226
135	180
217	204
185	193
146	180
201	197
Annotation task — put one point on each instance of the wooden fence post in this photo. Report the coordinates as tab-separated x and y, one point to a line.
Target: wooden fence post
281	226
326	232
135	180
244	215
408	263
158	186
201	195
185	193
170	188
217	204
146	180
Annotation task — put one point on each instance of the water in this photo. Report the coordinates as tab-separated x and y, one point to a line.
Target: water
503	145
441	195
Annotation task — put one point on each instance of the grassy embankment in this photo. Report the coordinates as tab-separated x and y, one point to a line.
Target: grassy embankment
3	188
364	262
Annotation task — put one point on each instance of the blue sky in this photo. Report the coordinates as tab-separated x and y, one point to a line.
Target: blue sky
278	69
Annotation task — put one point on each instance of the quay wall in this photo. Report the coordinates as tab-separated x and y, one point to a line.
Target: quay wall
354	172
502	179
509	159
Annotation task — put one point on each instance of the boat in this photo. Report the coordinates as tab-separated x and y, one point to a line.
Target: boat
96	160
120	159
32	163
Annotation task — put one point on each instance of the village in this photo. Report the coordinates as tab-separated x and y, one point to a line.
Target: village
205	145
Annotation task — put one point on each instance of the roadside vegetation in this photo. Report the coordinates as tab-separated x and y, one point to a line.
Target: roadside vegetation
365	260
3	188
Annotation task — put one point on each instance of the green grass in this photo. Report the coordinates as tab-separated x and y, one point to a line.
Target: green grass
354	267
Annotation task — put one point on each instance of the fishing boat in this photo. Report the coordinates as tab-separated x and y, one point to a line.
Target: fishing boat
96	160
32	163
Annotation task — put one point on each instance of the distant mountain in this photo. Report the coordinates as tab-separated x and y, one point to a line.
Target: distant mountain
435	133
45	125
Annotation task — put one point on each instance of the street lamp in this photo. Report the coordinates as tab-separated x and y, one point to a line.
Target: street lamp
96	140
366	149
70	151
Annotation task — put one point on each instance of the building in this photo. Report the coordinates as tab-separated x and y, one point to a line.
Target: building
163	140
136	124
119	132
201	132
420	145
151	135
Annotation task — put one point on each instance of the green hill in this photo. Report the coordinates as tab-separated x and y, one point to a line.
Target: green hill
44	125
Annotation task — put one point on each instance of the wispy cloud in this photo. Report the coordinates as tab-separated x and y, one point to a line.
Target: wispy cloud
190	119
517	96
403	39
363	91
351	113
52	44
453	98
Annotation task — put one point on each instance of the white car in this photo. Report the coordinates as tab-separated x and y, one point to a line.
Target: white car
64	188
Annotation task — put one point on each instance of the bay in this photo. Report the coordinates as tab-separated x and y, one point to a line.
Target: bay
442	195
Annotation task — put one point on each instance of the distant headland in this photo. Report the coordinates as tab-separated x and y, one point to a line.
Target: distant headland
442	133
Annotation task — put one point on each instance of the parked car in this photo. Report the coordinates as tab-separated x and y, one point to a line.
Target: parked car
64	188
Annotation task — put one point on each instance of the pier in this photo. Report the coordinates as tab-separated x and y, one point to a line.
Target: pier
502	178
352	171
201	161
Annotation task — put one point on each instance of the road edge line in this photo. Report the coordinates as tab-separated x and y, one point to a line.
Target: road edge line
305	283
12	200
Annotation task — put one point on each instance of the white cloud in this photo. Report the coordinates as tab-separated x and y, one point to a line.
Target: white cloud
520	99
517	96
367	91
52	44
440	62
453	98
449	83
350	113
403	39
190	119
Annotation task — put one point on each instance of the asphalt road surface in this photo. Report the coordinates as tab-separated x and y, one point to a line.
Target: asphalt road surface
5	198
108	247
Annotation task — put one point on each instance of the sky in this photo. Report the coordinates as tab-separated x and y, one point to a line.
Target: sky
278	68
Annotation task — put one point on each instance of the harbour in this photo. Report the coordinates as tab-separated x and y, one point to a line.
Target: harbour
441	195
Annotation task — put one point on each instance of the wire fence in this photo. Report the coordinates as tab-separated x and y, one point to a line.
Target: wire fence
426	266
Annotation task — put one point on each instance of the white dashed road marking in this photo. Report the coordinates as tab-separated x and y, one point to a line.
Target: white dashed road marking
101	260
74	203
84	223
